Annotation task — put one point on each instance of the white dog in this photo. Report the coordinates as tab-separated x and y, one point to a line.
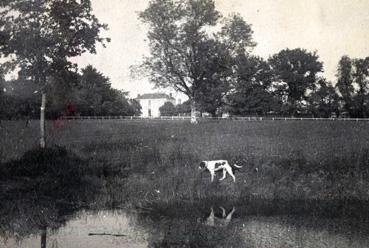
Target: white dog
217	165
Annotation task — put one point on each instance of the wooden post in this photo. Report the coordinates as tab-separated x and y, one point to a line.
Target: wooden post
42	121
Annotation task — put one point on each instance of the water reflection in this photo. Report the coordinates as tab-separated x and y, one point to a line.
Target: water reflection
215	230
87	215
221	221
207	227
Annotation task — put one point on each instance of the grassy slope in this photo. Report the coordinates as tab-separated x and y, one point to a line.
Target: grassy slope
295	159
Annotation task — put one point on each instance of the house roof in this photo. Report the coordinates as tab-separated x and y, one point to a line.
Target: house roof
155	96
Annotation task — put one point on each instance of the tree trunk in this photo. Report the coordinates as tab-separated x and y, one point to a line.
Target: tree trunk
193	112
42	121
43	237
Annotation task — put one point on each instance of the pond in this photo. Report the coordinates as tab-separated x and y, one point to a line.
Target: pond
260	224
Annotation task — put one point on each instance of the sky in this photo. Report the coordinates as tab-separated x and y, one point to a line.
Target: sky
332	28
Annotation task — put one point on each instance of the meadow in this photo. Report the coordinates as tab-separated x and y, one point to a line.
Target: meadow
156	162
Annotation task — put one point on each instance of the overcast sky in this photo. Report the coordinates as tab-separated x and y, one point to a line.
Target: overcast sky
331	27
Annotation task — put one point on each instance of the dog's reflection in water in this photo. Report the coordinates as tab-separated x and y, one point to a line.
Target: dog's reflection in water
216	221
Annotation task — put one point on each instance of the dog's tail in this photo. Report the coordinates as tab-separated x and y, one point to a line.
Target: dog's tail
237	166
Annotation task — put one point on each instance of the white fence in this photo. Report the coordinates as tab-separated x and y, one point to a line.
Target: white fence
237	118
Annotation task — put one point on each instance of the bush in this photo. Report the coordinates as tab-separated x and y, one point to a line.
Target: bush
49	162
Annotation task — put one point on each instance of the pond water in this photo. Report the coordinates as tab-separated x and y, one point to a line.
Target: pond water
179	225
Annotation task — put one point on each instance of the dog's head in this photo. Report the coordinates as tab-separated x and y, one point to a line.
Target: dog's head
202	165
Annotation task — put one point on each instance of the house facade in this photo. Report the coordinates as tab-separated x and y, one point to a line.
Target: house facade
151	103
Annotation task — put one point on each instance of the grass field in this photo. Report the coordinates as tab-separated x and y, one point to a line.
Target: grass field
157	161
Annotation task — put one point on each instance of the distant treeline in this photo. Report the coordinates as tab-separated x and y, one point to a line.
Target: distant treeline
276	87
194	49
85	93
281	87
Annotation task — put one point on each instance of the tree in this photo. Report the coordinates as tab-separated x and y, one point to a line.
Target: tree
344	83
361	81
20	99
353	85
183	108
251	91
92	91
2	95
324	100
135	107
168	109
61	94
118	104
182	45
93	95
295	72
40	36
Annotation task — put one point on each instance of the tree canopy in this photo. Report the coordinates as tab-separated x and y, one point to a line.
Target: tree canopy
187	50
324	100
353	85
39	36
251	92
88	93
295	72
168	109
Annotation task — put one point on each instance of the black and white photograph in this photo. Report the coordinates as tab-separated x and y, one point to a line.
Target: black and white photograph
184	123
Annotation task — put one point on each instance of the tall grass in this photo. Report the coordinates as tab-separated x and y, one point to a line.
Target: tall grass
157	161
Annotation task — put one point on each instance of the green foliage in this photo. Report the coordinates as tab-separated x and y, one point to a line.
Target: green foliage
42	35
20	100
183	108
295	72
168	109
94	96
89	93
186	55
324	100
344	80
353	85
211	93
39	162
92	91
39	38
251	93
135	106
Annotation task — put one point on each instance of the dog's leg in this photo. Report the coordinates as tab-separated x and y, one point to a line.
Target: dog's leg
229	216
212	174
211	219
224	175
229	170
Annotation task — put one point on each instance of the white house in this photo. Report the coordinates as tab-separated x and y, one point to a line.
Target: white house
151	103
